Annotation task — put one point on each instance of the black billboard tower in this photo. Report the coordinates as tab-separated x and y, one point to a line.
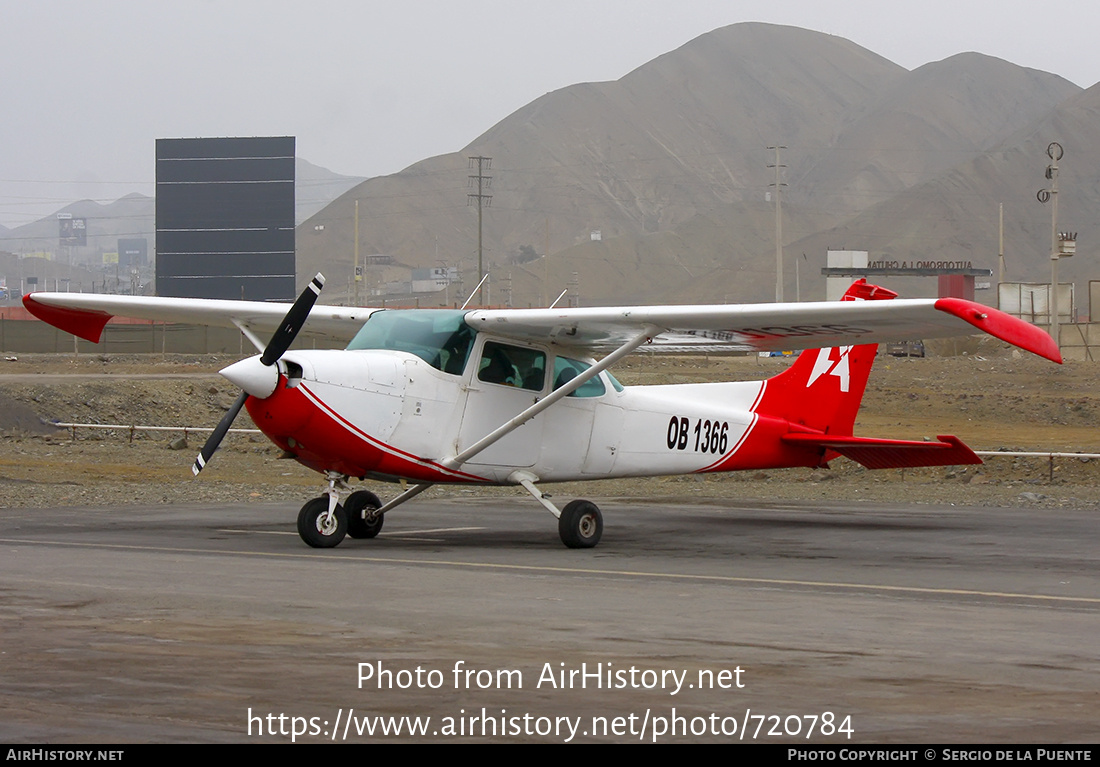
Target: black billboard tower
225	218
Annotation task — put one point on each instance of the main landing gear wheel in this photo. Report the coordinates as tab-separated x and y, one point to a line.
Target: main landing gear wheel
580	524
354	506
318	528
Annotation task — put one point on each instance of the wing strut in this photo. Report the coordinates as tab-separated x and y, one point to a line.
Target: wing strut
524	478
551	306
471	298
252	337
504	430
413	491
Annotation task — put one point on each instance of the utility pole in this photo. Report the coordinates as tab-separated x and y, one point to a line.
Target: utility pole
482	182
1000	246
1000	250
1054	152
797	279
778	226
358	270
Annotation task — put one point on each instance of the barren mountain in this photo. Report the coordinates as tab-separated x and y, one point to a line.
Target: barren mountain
670	165
23	250
954	216
657	187
135	215
131	216
936	117
673	139
315	187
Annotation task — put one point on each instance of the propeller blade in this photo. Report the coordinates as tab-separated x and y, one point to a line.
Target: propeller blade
218	434
292	322
280	341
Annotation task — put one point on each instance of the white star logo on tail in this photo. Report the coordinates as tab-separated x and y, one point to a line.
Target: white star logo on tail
826	365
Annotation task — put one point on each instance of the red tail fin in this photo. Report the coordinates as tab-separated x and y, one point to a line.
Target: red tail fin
823	389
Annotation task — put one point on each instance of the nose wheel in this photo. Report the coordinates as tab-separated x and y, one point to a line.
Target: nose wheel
321	527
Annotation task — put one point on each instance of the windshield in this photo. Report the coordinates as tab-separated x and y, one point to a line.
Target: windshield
438	336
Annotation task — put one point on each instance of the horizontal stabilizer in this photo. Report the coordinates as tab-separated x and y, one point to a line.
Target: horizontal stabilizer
891	453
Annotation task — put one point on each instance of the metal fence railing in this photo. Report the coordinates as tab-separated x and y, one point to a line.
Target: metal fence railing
132	429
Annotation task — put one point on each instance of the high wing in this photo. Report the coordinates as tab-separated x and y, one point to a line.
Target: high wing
765	327
742	327
85	314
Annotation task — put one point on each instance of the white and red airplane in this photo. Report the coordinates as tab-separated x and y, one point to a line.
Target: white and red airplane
516	397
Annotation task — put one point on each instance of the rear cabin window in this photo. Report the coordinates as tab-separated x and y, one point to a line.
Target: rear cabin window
565	370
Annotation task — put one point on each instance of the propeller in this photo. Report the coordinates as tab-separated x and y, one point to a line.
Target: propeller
280	341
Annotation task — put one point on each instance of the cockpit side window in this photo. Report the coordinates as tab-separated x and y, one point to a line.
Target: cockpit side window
512	366
439	337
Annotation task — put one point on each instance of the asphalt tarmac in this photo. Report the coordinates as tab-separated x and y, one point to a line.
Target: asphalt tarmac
468	620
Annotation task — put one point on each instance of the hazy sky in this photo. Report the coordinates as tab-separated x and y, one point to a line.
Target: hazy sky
370	87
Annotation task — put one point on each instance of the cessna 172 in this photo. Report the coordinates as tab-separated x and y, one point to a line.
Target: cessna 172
516	397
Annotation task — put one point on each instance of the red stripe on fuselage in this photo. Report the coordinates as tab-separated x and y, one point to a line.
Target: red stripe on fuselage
761	446
323	440
717	465
408	458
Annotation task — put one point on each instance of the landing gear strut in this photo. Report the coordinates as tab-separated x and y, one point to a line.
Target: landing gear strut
323	522
580	523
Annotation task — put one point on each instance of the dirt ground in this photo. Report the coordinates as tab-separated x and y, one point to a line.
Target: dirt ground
990	396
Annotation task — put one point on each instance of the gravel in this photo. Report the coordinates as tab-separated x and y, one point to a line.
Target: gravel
994	402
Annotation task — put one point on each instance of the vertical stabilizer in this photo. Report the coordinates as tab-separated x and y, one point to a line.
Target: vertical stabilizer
823	389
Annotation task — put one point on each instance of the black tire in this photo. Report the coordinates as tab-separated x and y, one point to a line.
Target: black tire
580	524
354	506
310	524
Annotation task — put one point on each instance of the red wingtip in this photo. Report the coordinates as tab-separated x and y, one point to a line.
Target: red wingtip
1004	326
80	322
